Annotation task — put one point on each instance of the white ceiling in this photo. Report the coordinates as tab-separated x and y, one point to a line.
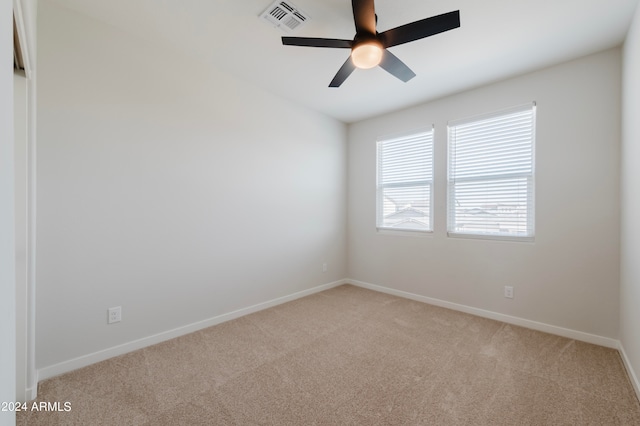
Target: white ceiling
497	39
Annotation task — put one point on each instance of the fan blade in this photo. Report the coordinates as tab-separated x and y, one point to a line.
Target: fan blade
345	71
396	67
420	29
364	15
317	42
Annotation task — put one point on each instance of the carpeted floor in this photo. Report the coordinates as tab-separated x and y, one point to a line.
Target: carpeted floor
350	356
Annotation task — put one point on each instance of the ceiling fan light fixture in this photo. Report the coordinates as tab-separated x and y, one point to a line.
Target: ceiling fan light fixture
367	55
369	47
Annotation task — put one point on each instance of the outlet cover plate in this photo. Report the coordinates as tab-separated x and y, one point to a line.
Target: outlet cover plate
114	315
508	292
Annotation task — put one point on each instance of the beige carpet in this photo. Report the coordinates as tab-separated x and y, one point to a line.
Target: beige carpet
351	356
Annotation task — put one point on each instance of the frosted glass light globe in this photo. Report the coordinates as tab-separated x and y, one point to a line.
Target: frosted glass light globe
366	55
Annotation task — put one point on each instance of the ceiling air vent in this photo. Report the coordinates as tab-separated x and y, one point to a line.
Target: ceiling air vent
285	16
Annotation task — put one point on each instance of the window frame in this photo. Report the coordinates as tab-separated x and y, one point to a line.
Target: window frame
429	182
530	176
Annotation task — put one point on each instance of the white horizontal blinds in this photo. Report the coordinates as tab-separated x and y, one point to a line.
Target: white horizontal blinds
491	168
405	180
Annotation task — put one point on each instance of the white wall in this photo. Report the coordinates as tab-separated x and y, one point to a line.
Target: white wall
630	195
171	189
7	249
569	276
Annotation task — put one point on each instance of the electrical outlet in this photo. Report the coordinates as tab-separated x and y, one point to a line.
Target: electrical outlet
115	315
508	292
324	267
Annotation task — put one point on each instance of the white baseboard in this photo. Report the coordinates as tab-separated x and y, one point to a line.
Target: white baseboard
85	360
551	329
31	393
630	371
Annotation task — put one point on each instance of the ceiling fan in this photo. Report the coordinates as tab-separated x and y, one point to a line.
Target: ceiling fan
369	47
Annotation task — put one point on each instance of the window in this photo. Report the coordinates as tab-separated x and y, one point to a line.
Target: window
405	182
491	175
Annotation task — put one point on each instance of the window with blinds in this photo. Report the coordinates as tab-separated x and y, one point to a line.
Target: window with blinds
405	182
491	175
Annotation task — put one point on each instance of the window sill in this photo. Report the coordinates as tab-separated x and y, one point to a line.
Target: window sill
491	237
404	232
